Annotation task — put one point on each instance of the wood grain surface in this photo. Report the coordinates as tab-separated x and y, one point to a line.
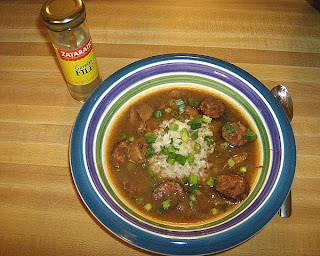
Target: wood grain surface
277	41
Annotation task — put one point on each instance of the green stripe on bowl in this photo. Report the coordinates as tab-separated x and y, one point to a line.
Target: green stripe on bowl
182	79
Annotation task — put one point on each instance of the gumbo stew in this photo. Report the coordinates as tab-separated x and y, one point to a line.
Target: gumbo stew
182	155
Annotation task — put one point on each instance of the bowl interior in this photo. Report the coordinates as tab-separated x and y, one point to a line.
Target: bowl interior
132	94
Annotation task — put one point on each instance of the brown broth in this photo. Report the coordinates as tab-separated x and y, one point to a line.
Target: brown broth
138	175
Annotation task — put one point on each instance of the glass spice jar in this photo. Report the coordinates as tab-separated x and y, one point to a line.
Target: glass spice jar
68	30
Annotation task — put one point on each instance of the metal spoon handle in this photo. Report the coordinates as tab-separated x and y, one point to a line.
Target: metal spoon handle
285	210
281	93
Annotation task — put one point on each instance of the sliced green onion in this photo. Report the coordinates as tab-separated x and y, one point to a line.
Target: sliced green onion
194	135
185	180
194	121
181	159
224	119
224	207
214	211
153	179
139	199
168	110
118	170
191	204
184	134
193	197
150	149
224	145
157	114
212	181
209	140
192	188
131	139
171	161
173	127
171	158
159	211
150	137
181	105
193	103
195	126
151	173
148	155
243	169
164	150
193	179
166	204
166	130
148	206
251	136
175	113
123	135
172	149
150	152
172	155
190	158
206	119
229	129
231	162
197	147
178	117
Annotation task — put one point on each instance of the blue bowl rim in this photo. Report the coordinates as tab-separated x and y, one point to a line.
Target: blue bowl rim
181	246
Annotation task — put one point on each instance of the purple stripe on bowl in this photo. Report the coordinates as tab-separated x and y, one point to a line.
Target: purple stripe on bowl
193	69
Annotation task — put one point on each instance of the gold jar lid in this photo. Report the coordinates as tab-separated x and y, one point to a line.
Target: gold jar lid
61	15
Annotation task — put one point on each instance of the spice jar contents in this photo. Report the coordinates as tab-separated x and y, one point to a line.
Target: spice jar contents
70	37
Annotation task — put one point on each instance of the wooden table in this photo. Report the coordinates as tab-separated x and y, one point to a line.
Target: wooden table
277	41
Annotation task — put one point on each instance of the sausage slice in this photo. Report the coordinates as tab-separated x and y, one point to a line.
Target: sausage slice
232	185
235	133
212	107
168	190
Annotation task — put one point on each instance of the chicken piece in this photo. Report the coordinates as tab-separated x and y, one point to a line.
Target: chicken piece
139	115
137	151
237	159
145	112
119	153
175	94
192	112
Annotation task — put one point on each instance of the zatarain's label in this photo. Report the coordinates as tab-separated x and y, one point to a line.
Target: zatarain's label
79	66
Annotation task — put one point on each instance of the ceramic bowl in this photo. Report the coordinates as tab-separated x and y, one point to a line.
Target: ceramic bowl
239	87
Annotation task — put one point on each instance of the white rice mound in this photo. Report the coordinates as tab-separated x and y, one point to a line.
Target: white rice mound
159	164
